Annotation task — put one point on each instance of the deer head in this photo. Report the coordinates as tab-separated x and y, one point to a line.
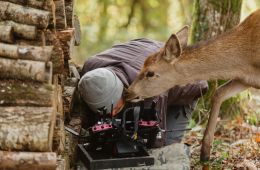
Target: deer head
154	77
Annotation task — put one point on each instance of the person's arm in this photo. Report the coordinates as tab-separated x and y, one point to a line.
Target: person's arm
185	95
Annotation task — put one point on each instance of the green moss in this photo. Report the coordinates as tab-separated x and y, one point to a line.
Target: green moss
25	93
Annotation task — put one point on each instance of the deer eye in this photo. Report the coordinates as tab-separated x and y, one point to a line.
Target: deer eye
150	74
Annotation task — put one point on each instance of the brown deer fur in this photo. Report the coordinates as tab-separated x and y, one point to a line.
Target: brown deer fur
234	55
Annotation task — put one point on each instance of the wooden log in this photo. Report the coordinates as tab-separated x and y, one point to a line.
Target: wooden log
26	128
60	16
69	9
26	69
6	34
59	135
77	34
26	52
28	160
23	93
66	37
39	4
59	130
67	98
22	30
25	15
49	38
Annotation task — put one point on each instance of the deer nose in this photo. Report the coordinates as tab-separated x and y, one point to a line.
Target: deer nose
130	95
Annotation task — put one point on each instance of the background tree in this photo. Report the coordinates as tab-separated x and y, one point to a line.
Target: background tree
211	18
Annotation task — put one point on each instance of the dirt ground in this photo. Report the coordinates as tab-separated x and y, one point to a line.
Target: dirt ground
236	144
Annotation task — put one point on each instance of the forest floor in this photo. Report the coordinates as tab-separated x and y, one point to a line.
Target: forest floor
236	144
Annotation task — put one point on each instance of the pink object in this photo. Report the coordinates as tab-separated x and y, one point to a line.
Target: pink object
102	127
147	123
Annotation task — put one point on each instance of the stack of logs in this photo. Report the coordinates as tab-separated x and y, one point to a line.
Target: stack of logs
36	42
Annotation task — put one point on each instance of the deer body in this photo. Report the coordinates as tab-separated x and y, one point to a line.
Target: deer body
234	55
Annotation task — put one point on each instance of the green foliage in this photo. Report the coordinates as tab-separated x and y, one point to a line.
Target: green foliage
108	22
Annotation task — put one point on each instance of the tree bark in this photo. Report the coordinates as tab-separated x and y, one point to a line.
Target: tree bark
22	30
26	52
25	15
214	17
60	16
21	93
28	160
77	30
6	34
26	69
49	38
26	128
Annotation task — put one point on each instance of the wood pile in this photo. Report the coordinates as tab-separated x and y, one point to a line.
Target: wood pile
36	43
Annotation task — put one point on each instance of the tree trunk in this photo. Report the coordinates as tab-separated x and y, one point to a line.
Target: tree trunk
49	38
26	128
6	34
28	160
25	15
26	69
211	18
18	93
26	52
22	30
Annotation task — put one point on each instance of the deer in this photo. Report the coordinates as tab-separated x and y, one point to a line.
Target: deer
233	56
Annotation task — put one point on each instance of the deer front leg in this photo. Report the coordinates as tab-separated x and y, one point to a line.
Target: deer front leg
222	93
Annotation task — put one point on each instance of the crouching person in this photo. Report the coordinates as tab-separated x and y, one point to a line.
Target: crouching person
105	76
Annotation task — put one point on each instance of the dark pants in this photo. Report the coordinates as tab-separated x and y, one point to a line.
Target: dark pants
177	117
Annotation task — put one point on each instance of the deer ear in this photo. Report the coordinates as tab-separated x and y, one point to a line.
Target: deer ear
172	48
183	35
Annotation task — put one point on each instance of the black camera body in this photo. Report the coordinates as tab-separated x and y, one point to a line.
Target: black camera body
134	129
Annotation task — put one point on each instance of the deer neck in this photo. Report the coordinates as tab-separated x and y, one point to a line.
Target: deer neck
218	59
